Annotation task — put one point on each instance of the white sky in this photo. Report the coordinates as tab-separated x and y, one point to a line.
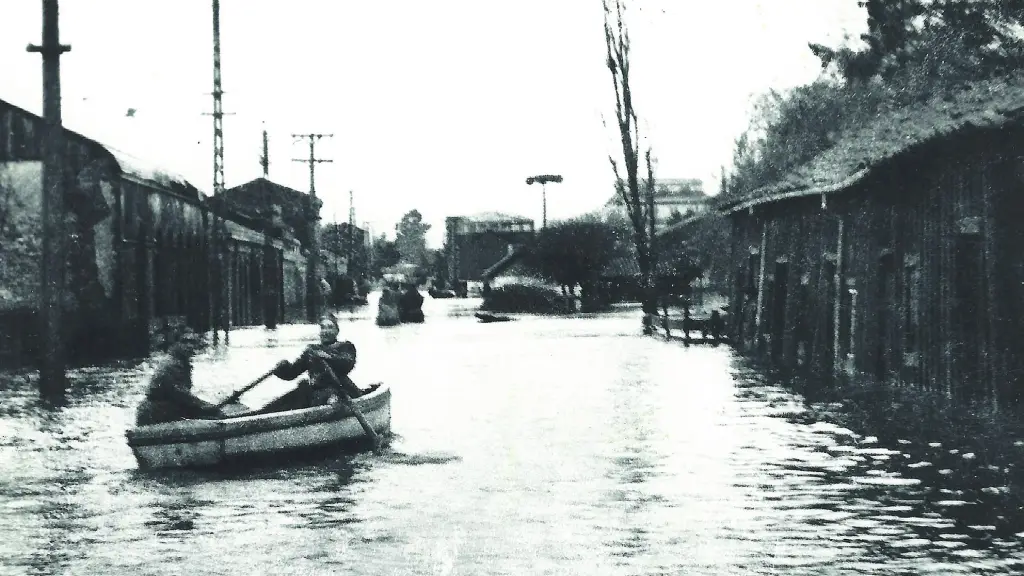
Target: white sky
444	106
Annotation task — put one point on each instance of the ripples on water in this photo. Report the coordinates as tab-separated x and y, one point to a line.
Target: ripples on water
541	446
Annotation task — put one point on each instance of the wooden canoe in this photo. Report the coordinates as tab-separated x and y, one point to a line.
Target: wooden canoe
487	317
212	443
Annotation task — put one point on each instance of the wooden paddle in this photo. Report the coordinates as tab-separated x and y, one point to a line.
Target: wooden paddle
248	387
352	406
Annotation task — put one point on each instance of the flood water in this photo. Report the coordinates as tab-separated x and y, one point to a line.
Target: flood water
539	446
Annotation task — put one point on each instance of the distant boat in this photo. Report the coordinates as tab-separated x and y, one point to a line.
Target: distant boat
487	317
210	443
410	306
387	308
387	315
414	316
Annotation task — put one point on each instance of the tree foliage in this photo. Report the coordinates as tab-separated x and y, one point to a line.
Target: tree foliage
384	254
572	253
935	40
437	267
348	241
912	51
677	270
411	238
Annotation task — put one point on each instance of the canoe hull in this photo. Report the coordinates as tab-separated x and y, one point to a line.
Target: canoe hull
214	443
487	317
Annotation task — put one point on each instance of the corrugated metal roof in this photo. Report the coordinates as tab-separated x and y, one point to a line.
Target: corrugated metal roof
130	165
147	171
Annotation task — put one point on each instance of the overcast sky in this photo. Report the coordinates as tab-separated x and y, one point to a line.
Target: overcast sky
443	106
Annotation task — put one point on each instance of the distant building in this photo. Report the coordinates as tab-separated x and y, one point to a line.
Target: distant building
684	196
292	217
139	251
263	198
475	243
343	250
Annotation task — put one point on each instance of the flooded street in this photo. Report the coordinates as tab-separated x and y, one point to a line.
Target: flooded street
540	446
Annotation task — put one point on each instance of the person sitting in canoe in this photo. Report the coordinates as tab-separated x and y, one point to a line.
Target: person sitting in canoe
169	395
320	387
410	304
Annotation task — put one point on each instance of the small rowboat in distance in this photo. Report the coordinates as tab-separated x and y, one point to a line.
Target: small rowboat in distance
487	317
245	437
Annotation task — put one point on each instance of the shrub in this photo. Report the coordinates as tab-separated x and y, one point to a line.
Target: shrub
525	298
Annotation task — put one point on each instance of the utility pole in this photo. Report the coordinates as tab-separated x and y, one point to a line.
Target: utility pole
218	276
370	257
52	376
351	234
312	276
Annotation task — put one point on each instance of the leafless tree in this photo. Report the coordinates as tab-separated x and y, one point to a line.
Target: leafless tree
637	196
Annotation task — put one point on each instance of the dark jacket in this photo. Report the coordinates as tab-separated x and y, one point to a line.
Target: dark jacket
341	357
168	397
411	300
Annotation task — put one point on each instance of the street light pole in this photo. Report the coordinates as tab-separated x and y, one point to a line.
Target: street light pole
544	205
543	180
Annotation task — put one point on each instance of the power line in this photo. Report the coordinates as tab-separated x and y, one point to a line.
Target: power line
312	160
312	275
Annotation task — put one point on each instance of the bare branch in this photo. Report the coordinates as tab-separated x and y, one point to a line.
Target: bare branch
640	210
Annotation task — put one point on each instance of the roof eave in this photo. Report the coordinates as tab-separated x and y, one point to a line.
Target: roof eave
748	203
681	224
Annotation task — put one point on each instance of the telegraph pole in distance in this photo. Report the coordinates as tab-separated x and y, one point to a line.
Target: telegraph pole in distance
312	277
218	276
350	241
52	376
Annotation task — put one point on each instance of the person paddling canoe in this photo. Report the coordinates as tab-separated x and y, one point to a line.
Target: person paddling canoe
169	395
319	388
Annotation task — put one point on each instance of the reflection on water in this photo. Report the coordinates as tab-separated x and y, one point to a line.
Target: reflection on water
549	445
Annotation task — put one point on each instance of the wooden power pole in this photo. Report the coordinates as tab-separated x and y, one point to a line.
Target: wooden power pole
52	376
314	297
350	241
